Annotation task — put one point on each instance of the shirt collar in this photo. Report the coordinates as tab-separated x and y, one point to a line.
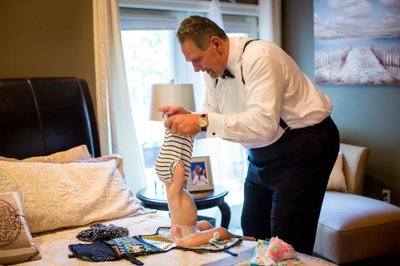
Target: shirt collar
235	55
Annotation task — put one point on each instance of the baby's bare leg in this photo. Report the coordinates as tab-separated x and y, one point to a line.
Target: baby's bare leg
203	237
204	225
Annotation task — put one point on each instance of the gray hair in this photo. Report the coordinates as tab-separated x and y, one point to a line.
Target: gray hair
199	30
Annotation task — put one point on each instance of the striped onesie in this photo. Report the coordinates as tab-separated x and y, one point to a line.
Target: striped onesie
175	148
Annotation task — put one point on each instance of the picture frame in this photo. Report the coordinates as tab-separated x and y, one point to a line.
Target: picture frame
354	52
200	178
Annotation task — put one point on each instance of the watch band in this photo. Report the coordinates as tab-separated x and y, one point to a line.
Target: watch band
203	122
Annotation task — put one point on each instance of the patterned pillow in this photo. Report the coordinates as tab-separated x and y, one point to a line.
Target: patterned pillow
58	195
16	244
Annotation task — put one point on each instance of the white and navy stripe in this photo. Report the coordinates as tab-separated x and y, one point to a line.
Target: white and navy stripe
175	148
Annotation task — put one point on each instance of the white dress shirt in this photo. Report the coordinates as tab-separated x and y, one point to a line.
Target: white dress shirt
274	87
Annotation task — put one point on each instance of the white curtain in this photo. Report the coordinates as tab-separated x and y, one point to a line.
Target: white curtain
115	120
269	20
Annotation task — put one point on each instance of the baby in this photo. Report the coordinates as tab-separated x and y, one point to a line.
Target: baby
173	168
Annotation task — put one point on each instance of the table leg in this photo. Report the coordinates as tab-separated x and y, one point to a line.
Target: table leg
226	214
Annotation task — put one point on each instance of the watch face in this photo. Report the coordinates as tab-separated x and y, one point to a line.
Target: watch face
203	122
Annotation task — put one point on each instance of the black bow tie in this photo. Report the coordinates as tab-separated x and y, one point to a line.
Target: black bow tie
227	74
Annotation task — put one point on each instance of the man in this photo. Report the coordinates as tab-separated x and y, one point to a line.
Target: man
266	103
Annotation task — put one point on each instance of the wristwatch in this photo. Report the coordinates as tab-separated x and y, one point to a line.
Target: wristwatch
203	122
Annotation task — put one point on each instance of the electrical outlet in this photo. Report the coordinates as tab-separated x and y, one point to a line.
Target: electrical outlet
386	195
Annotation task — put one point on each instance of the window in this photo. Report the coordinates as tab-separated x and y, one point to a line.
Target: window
152	55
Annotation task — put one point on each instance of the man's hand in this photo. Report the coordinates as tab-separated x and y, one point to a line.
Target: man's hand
183	124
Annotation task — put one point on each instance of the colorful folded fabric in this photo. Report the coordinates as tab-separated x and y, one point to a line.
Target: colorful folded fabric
280	250
274	252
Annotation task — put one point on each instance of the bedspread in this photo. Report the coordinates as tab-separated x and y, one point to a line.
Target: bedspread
53	247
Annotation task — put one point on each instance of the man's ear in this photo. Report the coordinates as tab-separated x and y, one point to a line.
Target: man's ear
217	43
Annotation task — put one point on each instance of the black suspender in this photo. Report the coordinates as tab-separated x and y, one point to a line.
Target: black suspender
282	123
244	48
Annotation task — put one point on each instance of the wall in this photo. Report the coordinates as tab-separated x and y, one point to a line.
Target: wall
365	115
45	38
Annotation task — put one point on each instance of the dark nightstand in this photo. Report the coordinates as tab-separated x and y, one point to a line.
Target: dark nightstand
156	199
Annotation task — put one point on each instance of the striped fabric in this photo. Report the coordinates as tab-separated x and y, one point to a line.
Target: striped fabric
175	148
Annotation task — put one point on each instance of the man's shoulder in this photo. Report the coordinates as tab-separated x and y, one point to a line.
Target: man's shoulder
238	41
254	48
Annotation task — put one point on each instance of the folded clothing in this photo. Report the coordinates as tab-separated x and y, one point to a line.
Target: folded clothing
274	252
102	232
96	251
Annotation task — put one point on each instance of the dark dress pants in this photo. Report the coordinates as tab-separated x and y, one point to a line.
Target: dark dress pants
286	183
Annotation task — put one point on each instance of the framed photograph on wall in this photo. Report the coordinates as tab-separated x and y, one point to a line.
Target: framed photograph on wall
357	42
200	175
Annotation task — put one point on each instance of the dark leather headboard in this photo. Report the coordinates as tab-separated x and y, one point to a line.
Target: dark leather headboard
40	116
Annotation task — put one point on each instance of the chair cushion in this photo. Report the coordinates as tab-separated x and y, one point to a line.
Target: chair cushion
357	227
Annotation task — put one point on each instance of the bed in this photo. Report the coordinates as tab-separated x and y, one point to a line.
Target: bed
54	182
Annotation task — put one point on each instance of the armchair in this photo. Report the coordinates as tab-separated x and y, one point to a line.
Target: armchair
351	226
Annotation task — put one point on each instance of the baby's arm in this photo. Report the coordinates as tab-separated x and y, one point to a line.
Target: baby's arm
175	189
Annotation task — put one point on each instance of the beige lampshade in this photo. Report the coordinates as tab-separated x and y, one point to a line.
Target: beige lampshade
170	94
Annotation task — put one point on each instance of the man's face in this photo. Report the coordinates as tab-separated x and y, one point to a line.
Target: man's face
209	60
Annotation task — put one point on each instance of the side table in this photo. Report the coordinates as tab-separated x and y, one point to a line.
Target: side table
156	199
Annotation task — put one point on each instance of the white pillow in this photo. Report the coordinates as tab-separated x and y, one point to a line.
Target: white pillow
337	179
76	153
114	156
16	244
58	195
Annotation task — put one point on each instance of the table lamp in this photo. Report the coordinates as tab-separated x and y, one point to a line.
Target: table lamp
170	94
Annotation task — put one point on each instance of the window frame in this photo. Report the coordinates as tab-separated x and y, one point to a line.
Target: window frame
191	6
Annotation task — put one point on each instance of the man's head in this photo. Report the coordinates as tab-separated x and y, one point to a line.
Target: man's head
204	44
